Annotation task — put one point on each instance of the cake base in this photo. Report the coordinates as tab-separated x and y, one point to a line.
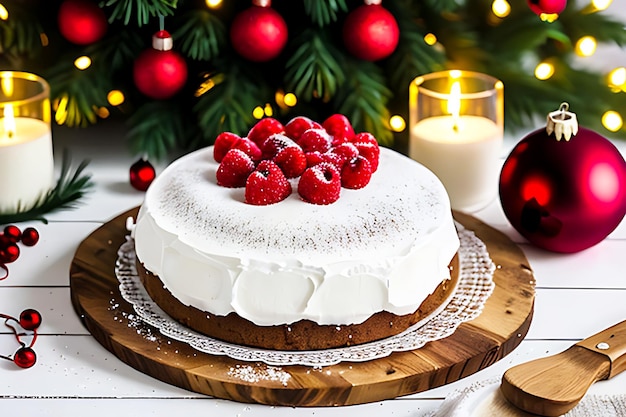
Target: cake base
475	345
301	335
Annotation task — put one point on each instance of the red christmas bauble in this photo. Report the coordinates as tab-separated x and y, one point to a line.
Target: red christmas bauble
259	33
9	253
547	6
81	21
25	357
370	32
160	72
30	319
564	196
142	174
30	236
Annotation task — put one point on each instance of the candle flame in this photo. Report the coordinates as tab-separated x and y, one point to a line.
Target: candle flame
9	121
454	103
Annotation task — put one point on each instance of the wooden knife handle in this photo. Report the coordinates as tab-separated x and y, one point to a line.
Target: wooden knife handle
610	343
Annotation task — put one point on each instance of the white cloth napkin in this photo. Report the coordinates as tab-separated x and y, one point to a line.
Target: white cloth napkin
483	399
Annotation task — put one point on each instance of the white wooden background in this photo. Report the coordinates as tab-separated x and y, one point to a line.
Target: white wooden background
576	296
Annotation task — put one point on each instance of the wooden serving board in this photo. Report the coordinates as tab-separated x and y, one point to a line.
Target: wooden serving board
474	346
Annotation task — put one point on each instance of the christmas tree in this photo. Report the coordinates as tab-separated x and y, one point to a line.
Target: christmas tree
182	71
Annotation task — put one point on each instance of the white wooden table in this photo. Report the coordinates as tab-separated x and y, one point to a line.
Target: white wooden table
576	296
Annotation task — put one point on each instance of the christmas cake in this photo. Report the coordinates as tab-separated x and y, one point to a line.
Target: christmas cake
251	241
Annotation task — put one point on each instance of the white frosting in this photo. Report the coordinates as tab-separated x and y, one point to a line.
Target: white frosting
385	247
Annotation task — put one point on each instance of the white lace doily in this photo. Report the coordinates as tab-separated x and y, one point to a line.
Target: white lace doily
474	286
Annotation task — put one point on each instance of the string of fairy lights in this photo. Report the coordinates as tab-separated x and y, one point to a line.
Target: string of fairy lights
585	47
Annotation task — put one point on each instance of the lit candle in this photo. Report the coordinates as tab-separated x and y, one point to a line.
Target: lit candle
26	160
458	135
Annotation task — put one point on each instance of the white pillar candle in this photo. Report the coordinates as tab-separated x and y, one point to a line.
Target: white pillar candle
26	162
463	152
456	120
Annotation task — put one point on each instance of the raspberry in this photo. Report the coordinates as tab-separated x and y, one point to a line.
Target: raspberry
249	148
291	160
298	125
369	151
314	158
339	127
346	150
234	169
223	143
356	173
314	140
267	185
364	137
320	184
263	129
275	144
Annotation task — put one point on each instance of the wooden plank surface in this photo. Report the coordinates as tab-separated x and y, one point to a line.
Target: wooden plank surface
474	346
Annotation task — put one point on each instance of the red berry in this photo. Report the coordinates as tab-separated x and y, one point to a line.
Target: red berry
141	174
369	151
30	236
315	140
223	143
298	125
267	185
249	147
263	129
9	254
346	150
30	319
364	137
339	127
291	160
320	184
25	357
234	170
275	144
13	233
356	173
5	240
314	158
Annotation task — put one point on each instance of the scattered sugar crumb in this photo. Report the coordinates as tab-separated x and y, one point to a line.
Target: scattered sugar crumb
259	372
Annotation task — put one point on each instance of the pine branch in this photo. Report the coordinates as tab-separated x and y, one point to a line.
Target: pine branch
69	189
231	94
79	93
20	36
601	25
324	12
314	71
413	56
156	129
363	99
143	10
201	35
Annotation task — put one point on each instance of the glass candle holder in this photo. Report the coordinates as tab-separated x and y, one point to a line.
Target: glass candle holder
456	130
26	160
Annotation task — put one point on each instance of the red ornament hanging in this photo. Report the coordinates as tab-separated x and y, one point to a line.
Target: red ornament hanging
370	31
160	72
564	195
29	322
81	21
259	33
540	7
142	174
